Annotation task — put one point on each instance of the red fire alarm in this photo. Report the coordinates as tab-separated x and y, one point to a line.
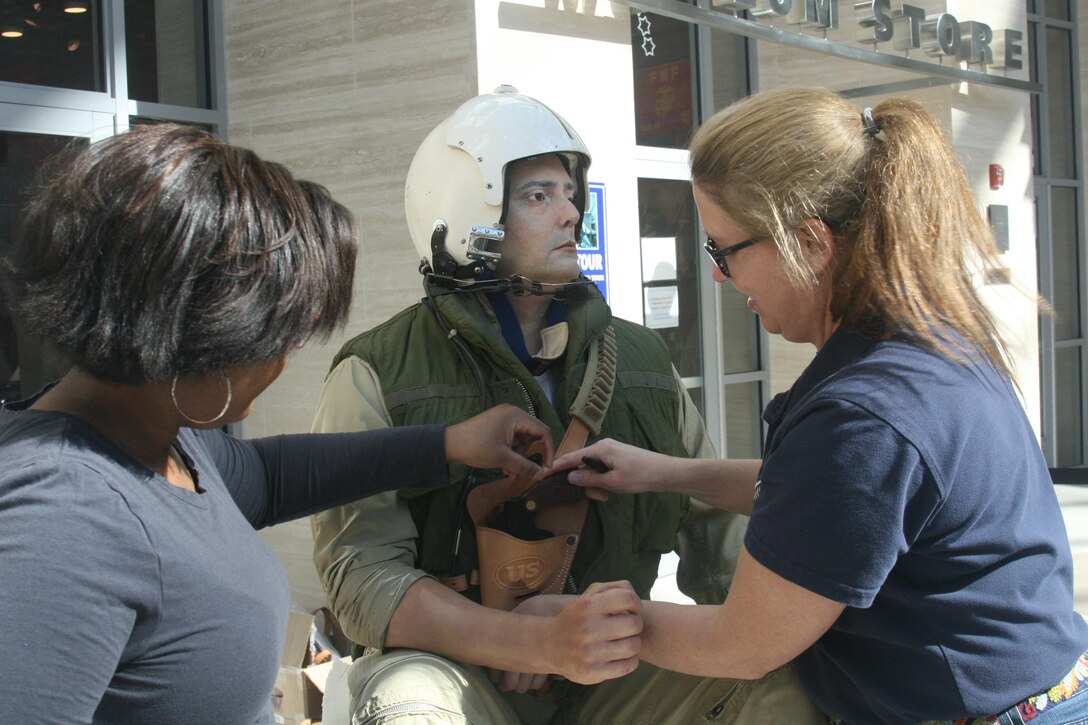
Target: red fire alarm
997	176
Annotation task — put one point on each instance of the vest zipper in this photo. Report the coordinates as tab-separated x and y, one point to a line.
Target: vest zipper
401	708
715	712
528	400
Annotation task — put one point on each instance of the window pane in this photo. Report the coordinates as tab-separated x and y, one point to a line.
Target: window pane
1067	406
57	49
1057	9
166	43
740	333
1064	243
743	424
671	269
26	364
698	397
787	361
1036	99
662	51
1059	96
730	62
148	121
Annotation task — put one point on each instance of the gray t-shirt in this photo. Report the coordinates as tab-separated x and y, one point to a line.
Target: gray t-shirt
125	599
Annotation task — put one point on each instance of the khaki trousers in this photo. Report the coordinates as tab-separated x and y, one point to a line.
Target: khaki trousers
408	687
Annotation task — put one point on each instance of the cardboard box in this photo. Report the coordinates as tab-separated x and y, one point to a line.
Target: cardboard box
336	705
301	682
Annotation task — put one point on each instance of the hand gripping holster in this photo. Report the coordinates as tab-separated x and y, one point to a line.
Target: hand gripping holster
513	568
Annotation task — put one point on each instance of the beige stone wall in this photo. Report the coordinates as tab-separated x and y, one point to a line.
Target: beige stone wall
342	92
176	47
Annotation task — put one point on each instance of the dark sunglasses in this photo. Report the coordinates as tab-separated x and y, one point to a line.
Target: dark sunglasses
719	255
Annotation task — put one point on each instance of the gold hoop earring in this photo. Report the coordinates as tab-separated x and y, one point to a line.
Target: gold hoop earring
226	406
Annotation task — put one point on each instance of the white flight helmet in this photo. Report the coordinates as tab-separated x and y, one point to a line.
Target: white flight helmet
454	194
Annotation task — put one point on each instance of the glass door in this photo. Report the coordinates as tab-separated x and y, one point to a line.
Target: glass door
29	138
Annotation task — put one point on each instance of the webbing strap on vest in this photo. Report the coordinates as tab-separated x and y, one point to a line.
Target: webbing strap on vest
511	568
591	403
586	412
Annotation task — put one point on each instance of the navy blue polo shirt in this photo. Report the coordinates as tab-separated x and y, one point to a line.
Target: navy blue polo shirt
910	487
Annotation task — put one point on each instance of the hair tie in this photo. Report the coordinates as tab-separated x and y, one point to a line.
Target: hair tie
870	123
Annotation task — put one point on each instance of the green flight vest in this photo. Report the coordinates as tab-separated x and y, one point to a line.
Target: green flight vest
425	380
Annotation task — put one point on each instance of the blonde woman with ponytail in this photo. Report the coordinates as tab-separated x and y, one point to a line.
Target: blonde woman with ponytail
906	552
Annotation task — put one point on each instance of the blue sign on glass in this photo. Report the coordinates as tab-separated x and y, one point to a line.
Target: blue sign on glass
591	245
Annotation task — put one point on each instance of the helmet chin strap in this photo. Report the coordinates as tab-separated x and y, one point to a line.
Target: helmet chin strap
576	291
455	278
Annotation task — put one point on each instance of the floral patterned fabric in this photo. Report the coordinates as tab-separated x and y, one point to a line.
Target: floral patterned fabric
1071	684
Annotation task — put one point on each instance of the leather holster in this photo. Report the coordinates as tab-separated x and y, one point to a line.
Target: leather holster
513	568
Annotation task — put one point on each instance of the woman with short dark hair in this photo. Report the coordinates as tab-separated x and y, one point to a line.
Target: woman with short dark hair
176	272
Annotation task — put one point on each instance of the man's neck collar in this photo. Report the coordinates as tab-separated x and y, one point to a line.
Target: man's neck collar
512	332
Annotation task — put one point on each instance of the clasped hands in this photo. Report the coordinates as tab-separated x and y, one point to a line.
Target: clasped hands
596	635
586	638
